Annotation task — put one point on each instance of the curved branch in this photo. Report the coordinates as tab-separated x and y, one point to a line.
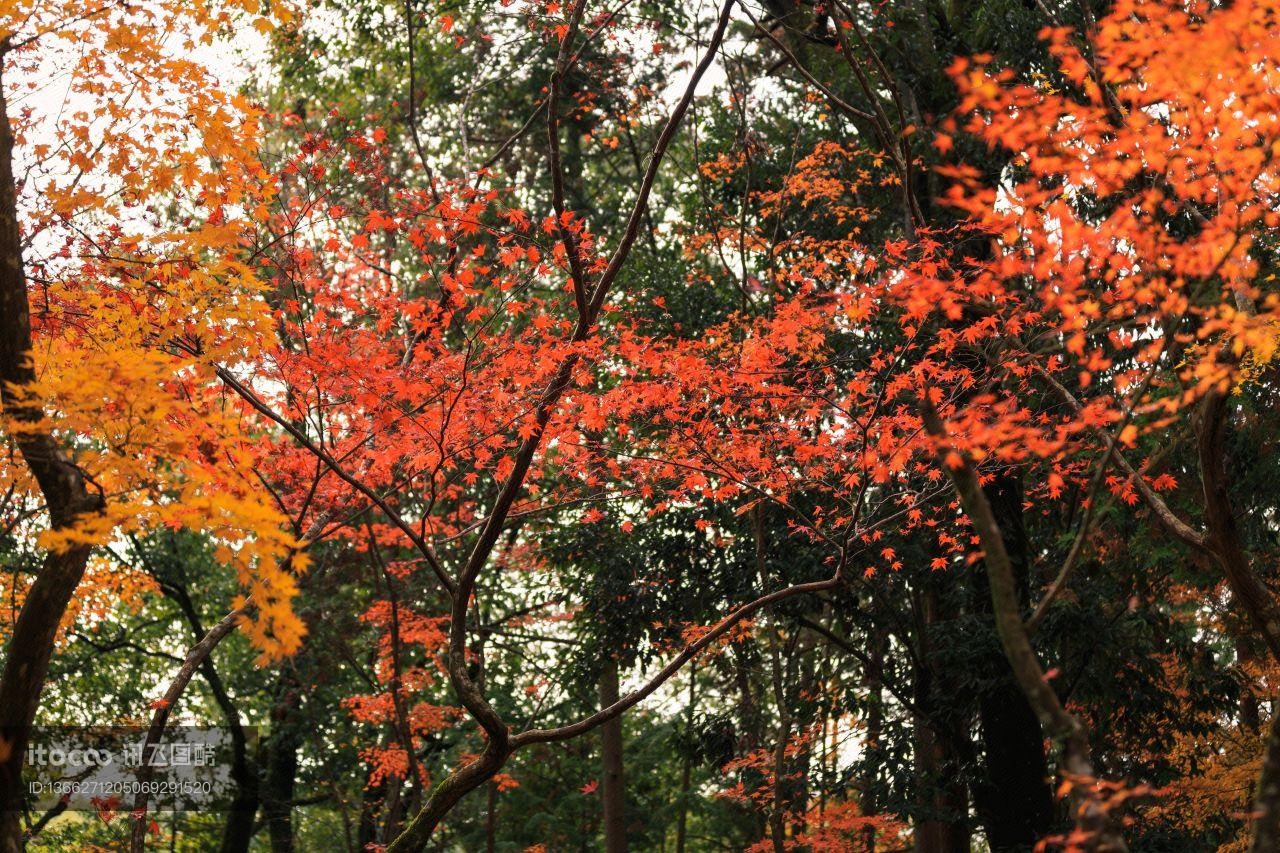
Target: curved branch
195	658
692	650
835	100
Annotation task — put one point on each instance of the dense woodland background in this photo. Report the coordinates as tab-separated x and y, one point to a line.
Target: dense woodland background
870	405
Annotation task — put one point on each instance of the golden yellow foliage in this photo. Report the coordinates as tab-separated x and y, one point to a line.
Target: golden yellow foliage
141	194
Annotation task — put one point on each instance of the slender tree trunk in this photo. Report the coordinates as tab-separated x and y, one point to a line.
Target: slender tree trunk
403	731
751	726
612	782
686	768
867	802
281	765
942	799
491	819
809	684
777	811
371	799
1250	709
1015	800
66	498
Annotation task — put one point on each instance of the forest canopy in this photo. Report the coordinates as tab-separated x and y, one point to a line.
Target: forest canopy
740	425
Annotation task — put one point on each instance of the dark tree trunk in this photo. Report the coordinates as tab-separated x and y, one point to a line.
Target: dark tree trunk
1266	799
1250	708
809	685
872	675
612	783
1016	805
1015	801
237	832
370	804
942	823
66	497
943	802
686	766
281	765
750	735
491	819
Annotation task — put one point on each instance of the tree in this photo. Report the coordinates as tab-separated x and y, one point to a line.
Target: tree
116	427
860	416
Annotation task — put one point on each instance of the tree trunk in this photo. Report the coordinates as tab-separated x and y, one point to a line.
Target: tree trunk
491	819
1266	800
281	765
238	831
942	800
1250	708
612	783
750	735
872	676
370	804
686	768
943	804
777	811
66	498
809	685
1015	801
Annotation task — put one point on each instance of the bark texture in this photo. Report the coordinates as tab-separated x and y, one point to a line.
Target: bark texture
66	496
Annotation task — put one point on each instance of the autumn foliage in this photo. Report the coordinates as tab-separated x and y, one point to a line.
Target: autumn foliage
890	478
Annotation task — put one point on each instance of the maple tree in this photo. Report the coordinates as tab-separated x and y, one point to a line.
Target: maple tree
111	427
860	437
